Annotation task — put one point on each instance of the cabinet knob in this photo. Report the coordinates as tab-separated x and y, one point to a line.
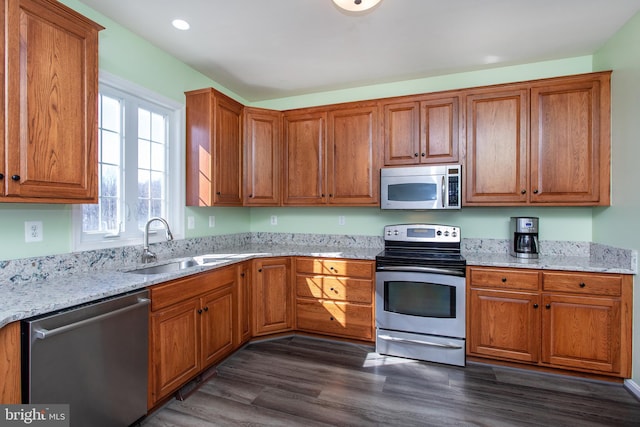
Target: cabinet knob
504	280
548	306
415	154
259	270
15	177
322	195
523	191
1	176
199	311
206	308
241	274
330	195
582	284
424	154
251	196
535	191
218	193
535	305
331	318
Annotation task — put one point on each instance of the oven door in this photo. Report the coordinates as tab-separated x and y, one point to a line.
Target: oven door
421	316
424	303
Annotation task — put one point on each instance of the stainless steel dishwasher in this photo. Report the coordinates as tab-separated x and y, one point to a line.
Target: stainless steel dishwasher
93	357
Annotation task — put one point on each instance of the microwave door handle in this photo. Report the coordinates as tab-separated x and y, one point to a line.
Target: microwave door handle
443	191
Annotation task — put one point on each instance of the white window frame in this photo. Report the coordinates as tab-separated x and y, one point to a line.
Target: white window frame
175	170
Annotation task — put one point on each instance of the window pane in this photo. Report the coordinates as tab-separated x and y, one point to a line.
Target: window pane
109	214
157	157
109	181
144	124
90	218
156	208
157	185
110	147
110	113
144	181
144	153
158	128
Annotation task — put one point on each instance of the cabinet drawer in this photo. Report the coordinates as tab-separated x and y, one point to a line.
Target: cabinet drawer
178	290
503	278
335	318
361	269
585	283
334	288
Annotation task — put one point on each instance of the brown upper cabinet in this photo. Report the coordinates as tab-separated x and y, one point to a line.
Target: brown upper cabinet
214	156
262	151
541	142
49	152
331	156
422	130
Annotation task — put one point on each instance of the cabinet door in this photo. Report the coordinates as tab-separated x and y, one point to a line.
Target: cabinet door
228	159
304	180
504	324
439	130
52	109
401	133
581	332
570	142
262	143
243	329
272	298
352	168
217	315
175	352
10	391
497	147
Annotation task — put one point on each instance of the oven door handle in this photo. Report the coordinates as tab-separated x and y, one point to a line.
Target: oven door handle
433	344
419	269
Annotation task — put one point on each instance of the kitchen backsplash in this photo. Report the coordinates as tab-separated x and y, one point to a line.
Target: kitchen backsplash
48	267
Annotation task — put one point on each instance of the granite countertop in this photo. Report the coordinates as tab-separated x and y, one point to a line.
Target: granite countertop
23	300
32	287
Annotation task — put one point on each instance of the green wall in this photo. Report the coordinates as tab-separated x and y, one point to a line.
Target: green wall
618	225
126	55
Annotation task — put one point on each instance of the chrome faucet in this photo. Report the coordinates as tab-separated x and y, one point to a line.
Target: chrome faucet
147	255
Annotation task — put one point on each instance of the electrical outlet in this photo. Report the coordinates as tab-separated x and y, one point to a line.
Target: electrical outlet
212	221
191	222
341	220
33	231
274	220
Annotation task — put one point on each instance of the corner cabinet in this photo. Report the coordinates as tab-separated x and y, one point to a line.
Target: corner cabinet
214	154
566	161
272	296
331	156
422	130
49	152
553	319
262	151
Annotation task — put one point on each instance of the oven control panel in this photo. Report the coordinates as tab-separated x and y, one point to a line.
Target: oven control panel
422	233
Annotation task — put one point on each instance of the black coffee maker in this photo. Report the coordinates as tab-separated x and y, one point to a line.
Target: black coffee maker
524	232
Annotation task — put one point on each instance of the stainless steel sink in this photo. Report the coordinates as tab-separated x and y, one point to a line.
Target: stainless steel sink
169	267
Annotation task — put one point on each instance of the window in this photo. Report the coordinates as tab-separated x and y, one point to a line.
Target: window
139	167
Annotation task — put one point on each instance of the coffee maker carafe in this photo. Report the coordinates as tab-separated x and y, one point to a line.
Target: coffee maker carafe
524	232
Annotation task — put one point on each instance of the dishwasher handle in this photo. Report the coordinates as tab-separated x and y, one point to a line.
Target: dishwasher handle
41	333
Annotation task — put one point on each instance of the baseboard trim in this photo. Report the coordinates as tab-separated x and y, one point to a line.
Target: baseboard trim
633	387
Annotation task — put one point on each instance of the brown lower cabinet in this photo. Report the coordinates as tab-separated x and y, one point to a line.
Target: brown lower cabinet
335	297
192	327
10	364
272	296
554	319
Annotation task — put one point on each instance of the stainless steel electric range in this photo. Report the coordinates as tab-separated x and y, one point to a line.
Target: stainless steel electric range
420	294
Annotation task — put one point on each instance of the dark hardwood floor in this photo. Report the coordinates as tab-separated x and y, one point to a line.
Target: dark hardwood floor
299	381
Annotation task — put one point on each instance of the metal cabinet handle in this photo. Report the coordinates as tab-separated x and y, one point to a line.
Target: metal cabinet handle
433	344
42	333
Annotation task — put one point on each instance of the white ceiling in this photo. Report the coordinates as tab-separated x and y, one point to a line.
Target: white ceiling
268	49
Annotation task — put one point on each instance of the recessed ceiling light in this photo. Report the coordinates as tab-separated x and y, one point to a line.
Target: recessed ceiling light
180	24
356	5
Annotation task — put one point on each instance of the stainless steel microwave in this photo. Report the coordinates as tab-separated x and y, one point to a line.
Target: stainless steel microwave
421	187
